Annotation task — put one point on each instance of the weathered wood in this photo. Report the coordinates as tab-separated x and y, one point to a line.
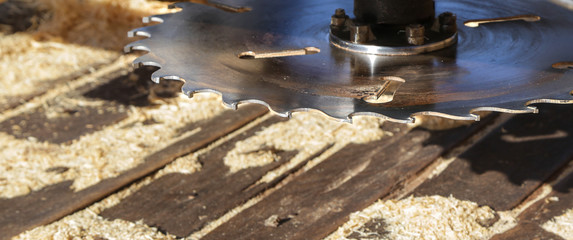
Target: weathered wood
46	85
528	231
70	124
506	166
203	196
61	123
318	201
66	122
530	221
55	202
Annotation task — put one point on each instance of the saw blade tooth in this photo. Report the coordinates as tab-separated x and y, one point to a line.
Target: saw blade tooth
563	99
140	32
381	116
513	109
153	19
146	60
136	46
346	119
160	74
453	116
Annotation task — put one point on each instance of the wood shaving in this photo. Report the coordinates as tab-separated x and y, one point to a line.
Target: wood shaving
561	225
431	217
102	154
306	133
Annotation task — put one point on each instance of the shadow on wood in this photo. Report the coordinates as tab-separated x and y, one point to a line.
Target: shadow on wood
511	162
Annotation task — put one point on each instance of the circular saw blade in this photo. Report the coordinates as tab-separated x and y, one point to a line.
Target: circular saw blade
495	67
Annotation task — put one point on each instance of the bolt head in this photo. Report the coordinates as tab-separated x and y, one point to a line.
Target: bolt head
340	12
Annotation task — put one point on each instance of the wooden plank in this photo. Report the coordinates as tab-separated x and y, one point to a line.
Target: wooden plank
319	200
69	124
527	231
203	196
61	123
66	122
530	221
506	166
55	202
46	85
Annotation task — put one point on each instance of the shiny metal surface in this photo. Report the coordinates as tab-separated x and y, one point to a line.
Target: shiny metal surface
495	67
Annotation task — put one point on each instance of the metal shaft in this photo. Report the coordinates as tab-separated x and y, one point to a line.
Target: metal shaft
394	12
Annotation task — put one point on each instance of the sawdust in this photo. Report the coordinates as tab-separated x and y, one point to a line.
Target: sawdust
439	123
306	133
431	217
87	224
561	225
27	64
25	163
97	29
186	165
96	23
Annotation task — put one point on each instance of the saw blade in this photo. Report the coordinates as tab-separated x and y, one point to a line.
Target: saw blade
503	67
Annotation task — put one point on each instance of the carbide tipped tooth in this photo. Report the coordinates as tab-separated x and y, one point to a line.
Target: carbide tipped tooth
152	19
155	19
136	46
455	116
564	98
513	109
138	33
161	74
147	60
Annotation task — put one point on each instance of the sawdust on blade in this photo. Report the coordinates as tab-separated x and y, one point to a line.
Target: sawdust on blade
25	163
431	217
561	225
306	133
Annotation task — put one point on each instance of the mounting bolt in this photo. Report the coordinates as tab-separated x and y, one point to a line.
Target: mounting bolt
360	33
447	22
339	18
415	34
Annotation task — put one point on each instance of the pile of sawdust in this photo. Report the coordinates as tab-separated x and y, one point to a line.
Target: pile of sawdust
432	217
306	133
26	63
25	163
97	29
561	225
96	23
88	225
